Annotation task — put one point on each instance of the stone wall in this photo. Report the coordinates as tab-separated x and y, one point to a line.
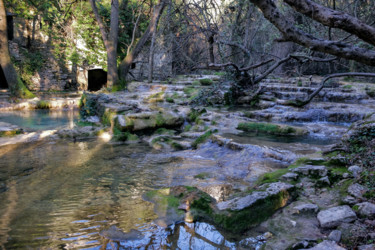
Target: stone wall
53	76
162	61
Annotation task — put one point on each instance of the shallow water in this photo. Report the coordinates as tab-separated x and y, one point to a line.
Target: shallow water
63	194
36	120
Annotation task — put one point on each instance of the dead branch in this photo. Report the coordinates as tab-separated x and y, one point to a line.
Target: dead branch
300	103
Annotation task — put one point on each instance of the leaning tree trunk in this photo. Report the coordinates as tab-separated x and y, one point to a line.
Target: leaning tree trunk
15	83
128	60
110	40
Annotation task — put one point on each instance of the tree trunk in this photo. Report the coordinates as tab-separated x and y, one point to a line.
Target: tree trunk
110	41
151	58
128	60
211	48
15	83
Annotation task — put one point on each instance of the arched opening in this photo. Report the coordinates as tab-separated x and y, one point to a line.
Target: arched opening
3	80
10	25
97	78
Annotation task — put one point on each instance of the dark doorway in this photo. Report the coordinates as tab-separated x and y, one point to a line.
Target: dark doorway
10	27
97	79
3	81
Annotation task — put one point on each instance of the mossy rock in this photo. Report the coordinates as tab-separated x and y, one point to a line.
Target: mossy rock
179	198
148	121
206	82
273	129
7	129
236	215
43	105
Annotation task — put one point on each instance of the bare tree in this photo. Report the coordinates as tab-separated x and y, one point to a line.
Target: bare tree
128	60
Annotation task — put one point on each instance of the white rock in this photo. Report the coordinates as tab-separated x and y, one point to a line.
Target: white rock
306	209
334	216
366	209
327	245
355	170
357	190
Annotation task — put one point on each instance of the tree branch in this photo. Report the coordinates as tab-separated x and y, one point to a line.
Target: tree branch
334	19
291	33
300	103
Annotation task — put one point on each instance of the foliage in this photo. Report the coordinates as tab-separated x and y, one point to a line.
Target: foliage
43	104
206	81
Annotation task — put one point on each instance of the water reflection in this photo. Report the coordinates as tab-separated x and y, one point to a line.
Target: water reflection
33	120
66	195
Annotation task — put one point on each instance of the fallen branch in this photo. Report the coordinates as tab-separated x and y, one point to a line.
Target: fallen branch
300	103
237	68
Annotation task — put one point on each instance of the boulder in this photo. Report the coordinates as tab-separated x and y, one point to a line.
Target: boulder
366	209
367	247
238	214
7	129
324	181
350	200
355	170
357	190
315	171
335	236
327	244
148	121
289	177
306	209
334	216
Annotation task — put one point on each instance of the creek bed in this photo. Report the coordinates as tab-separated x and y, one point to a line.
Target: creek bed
63	194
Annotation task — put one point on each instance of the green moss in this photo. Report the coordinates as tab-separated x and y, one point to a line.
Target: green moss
43	105
123	136
269	128
20	90
347	87
120	85
165	139
239	221
87	106
189	91
343	187
169	99
187	128
203	175
10	133
219	73
176	145
160	121
108	117
85	124
213	122
163	131
275	176
201	139
163	198
195	114
206	82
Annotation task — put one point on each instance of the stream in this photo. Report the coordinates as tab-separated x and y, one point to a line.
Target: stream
88	194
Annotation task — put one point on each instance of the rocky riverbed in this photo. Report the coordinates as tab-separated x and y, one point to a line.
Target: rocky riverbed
263	169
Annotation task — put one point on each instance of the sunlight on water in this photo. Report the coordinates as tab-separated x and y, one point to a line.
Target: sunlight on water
86	195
